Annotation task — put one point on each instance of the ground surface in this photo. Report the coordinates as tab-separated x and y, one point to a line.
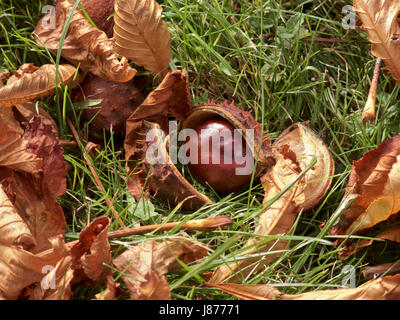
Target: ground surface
284	79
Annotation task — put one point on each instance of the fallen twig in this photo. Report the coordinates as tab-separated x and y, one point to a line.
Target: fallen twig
95	175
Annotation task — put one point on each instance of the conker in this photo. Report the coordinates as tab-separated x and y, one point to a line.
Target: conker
119	100
221	176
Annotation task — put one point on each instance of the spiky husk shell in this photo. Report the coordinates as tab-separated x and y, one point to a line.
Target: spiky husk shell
241	120
163	180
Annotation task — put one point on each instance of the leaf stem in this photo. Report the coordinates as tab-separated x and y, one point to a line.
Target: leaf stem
369	109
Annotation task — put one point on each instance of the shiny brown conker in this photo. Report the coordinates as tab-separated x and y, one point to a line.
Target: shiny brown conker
220	175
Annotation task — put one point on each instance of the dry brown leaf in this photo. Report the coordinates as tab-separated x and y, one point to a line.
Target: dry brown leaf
374	184
20	267
26	68
34	193
30	110
27	111
386	288
13	147
141	35
110	292
32	223
170	97
146	264
41	213
392	234
84	263
84	45
45	144
58	284
380	20
387	269
14	230
32	86
93	250
297	146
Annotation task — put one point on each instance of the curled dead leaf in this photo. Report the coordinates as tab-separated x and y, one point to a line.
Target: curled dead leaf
170	97
13	146
84	45
387	269
32	223
36	84
391	234
14	230
144	266
40	211
26	68
380	20
20	268
92	250
374	184
83	263
45	144
34	192
141	35
29	224
30	110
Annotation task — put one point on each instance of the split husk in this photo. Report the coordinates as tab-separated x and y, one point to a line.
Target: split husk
241	120
159	176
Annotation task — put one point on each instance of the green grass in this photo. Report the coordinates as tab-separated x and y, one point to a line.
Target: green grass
282	81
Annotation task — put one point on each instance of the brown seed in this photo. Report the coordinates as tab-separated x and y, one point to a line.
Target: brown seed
119	100
218	172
